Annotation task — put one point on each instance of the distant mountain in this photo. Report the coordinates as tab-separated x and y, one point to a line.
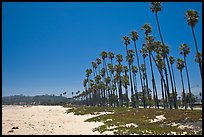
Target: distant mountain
35	100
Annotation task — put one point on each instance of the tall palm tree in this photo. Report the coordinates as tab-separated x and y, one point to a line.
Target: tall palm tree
111	70
134	36
119	69
97	81
104	56
155	8
103	75
125	81
134	72
172	60
185	50
88	73
192	19
144	53
180	65
145	89
107	82
98	61
161	64
147	30
150	47
94	67
130	59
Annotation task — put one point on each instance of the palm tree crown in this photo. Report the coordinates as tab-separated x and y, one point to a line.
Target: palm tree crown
192	17
134	35
185	49
171	59
119	58
147	28
156	7
180	64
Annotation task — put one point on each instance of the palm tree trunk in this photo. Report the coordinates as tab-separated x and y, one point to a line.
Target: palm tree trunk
171	80
153	83
138	65
167	82
200	66
189	86
115	95
131	86
135	89
162	91
147	85
183	98
120	90
161	74
175	92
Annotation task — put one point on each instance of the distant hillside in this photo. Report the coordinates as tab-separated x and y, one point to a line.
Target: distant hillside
35	100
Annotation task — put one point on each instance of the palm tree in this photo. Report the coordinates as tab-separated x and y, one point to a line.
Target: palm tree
198	57
94	66
180	65
150	47
144	53
103	75
98	61
160	63
134	36
97	81
107	82
134	72
155	8
130	59
88	73
104	56
125	81
111	70
145	89
111	56
185	50
147	28
119	69
192	19
172	60
164	51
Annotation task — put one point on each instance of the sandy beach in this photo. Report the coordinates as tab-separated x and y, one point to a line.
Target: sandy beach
45	120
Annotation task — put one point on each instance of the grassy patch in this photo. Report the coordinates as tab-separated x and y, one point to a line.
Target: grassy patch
117	121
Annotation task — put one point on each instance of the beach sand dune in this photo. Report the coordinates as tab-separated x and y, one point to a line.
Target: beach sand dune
45	120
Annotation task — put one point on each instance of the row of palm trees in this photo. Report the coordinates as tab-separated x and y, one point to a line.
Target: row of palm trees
105	81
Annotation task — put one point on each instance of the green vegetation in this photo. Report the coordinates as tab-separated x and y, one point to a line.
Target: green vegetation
128	121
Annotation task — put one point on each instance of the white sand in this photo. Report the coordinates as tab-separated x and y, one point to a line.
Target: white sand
46	120
158	118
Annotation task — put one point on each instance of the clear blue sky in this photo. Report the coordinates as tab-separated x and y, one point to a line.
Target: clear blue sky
47	47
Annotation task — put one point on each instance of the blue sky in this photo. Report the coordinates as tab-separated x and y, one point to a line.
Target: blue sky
47	47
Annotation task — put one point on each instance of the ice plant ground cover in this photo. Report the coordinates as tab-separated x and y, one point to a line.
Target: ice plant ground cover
140	121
